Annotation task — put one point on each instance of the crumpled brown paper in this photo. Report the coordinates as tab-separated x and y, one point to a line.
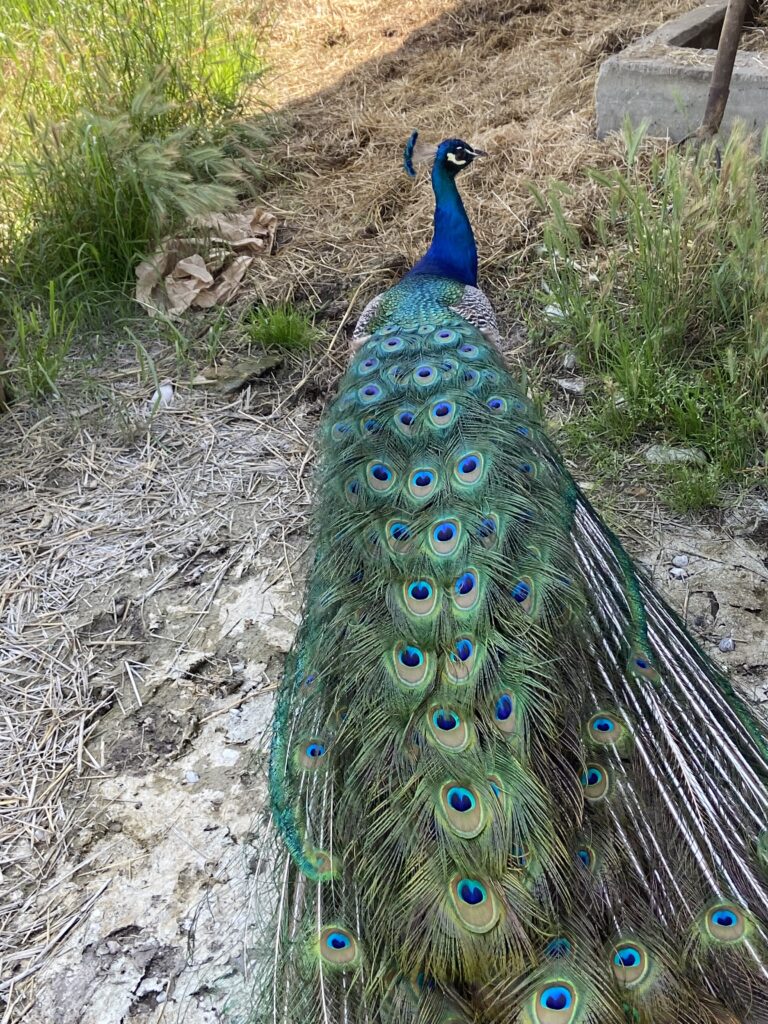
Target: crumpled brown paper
178	276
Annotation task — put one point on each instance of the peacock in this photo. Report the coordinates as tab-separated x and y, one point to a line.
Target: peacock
507	785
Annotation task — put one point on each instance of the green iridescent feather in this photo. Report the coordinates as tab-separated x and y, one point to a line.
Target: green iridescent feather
492	736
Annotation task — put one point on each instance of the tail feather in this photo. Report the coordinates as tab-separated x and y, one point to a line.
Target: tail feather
510	785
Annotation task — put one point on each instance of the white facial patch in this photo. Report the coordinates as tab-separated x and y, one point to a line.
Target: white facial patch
455	159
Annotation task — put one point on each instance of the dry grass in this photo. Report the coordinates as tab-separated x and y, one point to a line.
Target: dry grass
518	80
95	500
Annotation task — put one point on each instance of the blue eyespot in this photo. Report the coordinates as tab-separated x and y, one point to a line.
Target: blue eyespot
496	404
584	856
464	649
461	799
556	997
466	583
470	351
445	720
471	377
353	487
394	344
521	591
369	364
525	467
444	532
446	337
504	707
420	591
724	918
424	372
486	529
411	657
523	430
341	430
399	531
642	662
468	464
448	365
315	750
423	478
338	941
591	777
627	956
603	725
379	472
471	891
372	426
309	680
495	790
406	418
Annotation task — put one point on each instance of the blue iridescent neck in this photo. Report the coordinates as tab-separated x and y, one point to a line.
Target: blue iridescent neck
453	252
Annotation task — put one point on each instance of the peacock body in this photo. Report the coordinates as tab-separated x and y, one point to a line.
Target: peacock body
510	787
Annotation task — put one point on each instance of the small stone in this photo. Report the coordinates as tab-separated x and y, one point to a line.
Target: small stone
554	312
680	561
678	573
663	455
573	385
726	645
569	361
191	777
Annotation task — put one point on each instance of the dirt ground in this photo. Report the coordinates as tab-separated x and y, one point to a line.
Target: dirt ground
153	558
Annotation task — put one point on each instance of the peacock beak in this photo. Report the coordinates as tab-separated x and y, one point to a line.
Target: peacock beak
477	152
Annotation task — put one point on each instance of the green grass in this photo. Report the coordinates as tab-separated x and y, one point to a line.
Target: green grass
280	327
665	300
119	121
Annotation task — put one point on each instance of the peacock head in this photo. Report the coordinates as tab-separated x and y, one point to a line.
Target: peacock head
452	155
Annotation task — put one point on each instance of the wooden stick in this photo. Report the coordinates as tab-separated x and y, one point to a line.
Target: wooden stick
720	84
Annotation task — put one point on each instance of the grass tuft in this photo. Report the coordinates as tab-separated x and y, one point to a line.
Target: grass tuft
280	327
118	122
665	300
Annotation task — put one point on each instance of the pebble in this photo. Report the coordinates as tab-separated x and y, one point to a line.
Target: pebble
680	561
191	778
678	573
726	645
569	361
663	455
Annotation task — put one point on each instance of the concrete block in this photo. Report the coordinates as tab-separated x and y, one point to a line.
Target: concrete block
663	79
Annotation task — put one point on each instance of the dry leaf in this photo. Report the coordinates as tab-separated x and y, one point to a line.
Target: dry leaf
177	276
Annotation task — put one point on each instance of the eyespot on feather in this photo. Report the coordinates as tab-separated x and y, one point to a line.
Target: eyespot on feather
504	713
442	413
554	1003
404	421
466	590
411	665
312	754
444	536
380	477
447	729
460	662
420	596
487	531
423	483
594	781
462	810
338	946
726	922
469	469
399	536
474	903
606	729
630	963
